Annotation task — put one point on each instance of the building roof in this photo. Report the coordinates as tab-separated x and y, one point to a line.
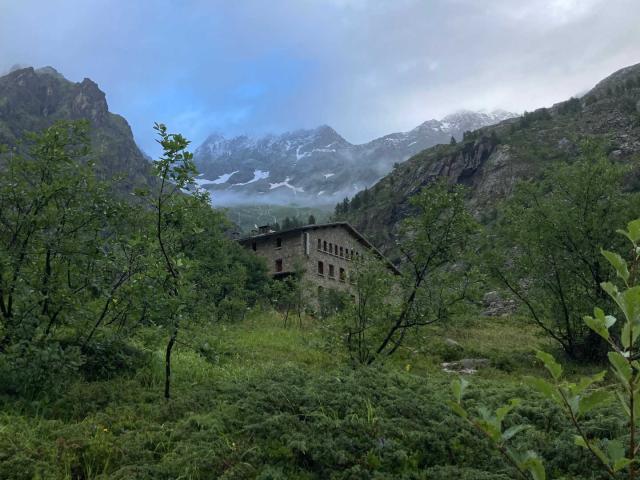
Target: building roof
305	228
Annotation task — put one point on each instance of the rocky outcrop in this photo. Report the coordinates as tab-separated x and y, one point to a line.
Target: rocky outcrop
496	305
31	100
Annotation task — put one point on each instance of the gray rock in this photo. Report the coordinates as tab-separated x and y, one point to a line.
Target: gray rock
498	306
466	365
452	343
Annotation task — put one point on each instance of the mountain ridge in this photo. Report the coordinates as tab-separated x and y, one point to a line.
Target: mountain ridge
316	166
490	161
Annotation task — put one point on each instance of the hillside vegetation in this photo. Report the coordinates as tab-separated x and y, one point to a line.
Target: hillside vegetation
256	400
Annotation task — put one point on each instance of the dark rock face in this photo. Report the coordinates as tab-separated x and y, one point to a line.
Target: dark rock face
31	100
317	166
491	160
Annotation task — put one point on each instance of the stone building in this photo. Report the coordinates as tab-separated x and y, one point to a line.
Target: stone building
324	252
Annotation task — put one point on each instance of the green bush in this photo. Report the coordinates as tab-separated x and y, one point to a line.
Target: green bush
32	368
107	357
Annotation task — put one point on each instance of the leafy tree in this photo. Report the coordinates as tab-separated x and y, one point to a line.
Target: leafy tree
364	322
332	301
436	277
453	141
288	294
176	216
342	208
80	268
545	249
65	256
311	220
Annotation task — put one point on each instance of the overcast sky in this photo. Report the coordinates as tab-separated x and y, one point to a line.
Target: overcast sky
365	67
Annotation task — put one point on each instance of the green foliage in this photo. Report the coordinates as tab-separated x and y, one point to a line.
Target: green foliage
289	295
570	107
617	455
79	271
546	245
436	281
67	264
364	322
332	302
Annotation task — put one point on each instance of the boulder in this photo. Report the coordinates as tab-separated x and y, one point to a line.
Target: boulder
466	365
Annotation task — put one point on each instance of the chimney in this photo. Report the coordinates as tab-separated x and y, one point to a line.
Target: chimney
265	229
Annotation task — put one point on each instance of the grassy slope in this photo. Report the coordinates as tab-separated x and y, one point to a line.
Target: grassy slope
262	401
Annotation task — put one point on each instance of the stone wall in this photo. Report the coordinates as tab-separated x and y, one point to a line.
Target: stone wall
335	238
289	251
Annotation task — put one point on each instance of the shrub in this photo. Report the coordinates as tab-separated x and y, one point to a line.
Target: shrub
33	368
107	357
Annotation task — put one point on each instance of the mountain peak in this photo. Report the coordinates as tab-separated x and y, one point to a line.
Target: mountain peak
34	99
48	70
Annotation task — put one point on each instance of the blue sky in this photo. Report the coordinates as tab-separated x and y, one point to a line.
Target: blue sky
365	67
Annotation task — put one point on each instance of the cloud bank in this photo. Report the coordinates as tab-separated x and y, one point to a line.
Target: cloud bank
366	68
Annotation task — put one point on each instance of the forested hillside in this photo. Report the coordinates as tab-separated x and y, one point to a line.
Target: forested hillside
491	160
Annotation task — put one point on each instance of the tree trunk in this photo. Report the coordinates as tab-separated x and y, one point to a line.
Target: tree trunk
167	365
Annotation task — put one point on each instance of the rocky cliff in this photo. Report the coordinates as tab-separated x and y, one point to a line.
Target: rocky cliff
31	100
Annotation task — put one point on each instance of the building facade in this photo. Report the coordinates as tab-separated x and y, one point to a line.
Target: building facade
325	253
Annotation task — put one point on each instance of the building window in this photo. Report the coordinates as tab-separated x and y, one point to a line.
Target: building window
351	254
254	246
320	268
343	275
278	242
324	247
341	252
319	244
331	248
279	265
332	272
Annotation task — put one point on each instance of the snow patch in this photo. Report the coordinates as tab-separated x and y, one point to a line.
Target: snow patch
300	155
201	182
257	175
273	186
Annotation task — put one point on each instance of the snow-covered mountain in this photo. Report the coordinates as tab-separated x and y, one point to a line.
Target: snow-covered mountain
316	167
